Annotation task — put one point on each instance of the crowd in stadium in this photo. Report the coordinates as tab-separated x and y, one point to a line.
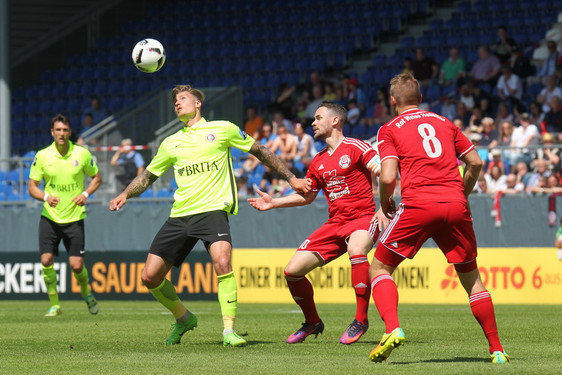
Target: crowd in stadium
508	104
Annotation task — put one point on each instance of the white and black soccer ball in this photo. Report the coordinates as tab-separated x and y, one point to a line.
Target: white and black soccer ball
149	55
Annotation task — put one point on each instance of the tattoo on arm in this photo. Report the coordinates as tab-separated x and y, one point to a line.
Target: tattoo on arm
140	184
269	159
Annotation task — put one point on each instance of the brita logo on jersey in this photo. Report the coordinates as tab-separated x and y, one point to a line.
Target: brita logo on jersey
192	169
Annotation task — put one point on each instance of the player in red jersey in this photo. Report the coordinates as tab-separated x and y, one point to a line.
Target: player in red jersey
343	171
424	147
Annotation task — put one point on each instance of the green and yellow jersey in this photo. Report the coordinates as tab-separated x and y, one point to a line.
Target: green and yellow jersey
64	178
200	155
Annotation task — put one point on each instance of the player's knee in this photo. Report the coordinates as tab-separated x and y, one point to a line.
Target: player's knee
149	280
222	265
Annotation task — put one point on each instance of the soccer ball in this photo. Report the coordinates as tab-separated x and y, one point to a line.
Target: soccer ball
149	55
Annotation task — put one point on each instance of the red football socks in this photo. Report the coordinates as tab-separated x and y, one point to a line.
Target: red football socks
483	310
385	295
303	294
361	285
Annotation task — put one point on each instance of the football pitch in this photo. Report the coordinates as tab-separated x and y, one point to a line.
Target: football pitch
128	338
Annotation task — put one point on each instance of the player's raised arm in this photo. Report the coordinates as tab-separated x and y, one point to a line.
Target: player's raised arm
300	185
135	188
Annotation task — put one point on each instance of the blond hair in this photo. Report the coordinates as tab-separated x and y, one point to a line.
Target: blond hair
187	88
405	89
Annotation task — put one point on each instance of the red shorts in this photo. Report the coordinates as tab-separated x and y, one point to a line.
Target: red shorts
330	240
449	224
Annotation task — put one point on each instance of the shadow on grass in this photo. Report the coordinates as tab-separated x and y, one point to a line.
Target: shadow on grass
450	360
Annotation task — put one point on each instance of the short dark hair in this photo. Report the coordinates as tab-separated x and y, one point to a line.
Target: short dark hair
336	109
60	118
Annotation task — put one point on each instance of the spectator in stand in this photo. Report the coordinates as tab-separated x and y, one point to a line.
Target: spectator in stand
553	119
481	186
482	99
486	68
548	66
538	177
253	121
317	98
520	64
463	113
549	153
496	160
452	68
495	180
284	102
381	112
458	123
504	46
266	139
553	185
285	145
525	135
87	124
340	96
548	92
476	118
353	112
505	133
449	108
424	68
279	119
512	185
315	78
465	96
536	113
407	65
503	113
344	82
510	88
329	93
131	161
489	132
522	172
355	92
306	149
95	109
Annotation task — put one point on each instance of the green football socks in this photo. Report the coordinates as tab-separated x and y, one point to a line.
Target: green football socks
165	293
227	294
82	278
50	277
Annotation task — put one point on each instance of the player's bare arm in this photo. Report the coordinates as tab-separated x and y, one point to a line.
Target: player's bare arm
40	195
135	188
387	183
472	170
95	183
269	159
266	202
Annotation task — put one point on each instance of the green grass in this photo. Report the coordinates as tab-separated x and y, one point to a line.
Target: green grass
128	338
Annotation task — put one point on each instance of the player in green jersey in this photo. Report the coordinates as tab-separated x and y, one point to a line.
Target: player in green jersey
206	195
63	165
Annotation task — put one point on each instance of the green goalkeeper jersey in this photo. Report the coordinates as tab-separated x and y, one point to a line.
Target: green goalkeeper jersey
64	178
200	155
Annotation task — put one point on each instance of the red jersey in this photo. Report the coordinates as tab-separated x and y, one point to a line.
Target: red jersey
427	147
345	177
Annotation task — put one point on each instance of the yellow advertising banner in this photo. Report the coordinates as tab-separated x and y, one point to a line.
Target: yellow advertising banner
512	275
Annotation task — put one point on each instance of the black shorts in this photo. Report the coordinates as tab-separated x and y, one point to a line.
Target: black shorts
71	234
175	240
